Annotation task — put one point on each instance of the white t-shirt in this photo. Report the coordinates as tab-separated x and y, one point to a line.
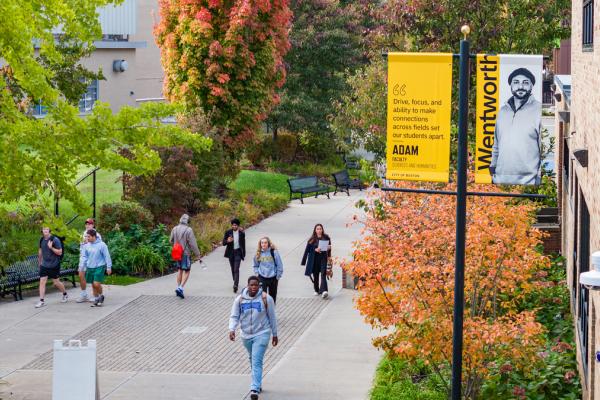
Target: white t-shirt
236	240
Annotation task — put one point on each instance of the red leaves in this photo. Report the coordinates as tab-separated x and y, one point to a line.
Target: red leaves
237	48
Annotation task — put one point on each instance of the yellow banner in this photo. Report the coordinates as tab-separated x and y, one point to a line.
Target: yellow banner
418	116
488	94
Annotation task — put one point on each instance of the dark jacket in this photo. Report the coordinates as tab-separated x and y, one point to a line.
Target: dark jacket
229	249
308	258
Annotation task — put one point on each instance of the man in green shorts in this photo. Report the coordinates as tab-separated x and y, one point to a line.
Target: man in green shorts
96	259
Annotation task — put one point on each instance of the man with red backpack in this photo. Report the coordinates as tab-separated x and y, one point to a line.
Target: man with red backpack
183	240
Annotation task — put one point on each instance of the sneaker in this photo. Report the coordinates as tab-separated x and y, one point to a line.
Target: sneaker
253	395
40	304
315	293
65	298
98	302
83	297
235	289
325	295
179	293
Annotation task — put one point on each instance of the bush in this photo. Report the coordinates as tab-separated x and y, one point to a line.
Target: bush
122	215
172	190
140	251
285	147
398	380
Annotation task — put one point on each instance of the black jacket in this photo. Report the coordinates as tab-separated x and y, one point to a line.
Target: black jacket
308	259
229	249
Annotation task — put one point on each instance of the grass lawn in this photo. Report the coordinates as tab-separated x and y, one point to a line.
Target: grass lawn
108	190
251	181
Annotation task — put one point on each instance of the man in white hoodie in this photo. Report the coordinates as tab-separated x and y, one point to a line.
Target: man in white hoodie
254	312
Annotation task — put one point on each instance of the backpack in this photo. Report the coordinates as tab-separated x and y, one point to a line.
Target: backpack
62	246
177	252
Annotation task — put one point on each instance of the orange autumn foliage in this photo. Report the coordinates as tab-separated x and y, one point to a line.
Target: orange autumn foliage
406	265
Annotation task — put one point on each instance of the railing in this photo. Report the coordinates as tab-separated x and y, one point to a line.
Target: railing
91	173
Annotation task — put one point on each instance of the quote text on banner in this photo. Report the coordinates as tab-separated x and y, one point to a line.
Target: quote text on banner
418	116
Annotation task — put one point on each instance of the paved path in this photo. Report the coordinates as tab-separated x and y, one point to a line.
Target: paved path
153	345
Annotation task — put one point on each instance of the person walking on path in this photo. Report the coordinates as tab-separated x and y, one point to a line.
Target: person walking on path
96	260
49	257
316	259
184	235
235	240
254	312
268	266
83	297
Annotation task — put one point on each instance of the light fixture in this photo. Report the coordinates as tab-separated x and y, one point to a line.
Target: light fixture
120	65
581	155
591	279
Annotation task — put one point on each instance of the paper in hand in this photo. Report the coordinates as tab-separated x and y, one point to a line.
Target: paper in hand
324	245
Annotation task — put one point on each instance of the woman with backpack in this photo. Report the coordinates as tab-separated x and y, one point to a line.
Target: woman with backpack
316	257
268	266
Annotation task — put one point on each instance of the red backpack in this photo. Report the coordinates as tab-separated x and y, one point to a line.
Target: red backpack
177	252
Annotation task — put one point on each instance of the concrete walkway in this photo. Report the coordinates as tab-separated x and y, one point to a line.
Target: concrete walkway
325	350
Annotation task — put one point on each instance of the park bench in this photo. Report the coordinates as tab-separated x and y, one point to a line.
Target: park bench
305	185
345	183
22	273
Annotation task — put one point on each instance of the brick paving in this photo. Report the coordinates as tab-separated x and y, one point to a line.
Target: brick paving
169	335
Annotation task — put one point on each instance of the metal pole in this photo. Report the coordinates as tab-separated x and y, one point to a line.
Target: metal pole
461	217
56	204
94	193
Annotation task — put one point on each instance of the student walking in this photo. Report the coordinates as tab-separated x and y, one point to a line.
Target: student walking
183	236
235	240
268	266
96	261
89	224
254	312
315	258
49	256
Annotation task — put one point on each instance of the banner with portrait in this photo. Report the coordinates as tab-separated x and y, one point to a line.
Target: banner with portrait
418	116
508	120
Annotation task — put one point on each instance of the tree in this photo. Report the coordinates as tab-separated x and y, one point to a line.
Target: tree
37	155
506	26
225	57
406	269
327	39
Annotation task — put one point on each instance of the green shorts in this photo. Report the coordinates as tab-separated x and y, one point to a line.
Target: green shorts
95	274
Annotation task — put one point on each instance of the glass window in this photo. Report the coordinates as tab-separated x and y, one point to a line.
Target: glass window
86	103
588	25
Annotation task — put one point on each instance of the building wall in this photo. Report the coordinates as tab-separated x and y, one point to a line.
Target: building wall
584	134
149	73
119	87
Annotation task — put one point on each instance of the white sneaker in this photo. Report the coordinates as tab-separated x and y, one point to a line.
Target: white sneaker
83	297
65	298
315	293
40	304
325	295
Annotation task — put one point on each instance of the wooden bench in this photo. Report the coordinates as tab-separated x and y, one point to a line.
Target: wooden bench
305	185
26	272
345	183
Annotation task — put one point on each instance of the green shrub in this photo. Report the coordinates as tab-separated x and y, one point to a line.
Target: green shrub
397	380
146	261
285	147
122	215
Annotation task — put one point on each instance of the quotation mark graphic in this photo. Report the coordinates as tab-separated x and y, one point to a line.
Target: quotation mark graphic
399	90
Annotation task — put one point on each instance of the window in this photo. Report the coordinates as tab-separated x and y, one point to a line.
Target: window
584	294
86	103
588	25
39	110
566	162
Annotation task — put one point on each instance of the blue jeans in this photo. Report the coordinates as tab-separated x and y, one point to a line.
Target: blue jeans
256	351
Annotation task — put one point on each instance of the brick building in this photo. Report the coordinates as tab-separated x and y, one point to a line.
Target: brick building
578	176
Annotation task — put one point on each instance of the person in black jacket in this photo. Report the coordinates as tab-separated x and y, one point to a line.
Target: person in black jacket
315	260
235	240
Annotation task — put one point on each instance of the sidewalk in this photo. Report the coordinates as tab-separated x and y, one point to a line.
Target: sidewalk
325	350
